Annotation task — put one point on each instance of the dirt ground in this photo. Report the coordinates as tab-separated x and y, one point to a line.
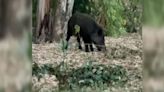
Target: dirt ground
125	51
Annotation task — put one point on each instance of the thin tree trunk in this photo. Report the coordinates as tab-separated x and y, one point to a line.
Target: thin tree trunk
43	8
69	9
59	14
63	12
40	14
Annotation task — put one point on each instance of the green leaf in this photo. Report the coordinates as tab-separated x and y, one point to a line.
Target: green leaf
77	29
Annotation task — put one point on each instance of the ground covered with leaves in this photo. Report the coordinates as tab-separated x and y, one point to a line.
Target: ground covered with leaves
73	70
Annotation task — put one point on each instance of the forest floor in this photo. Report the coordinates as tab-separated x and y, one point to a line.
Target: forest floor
125	51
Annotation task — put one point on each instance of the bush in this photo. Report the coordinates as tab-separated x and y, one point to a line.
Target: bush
115	19
133	15
89	75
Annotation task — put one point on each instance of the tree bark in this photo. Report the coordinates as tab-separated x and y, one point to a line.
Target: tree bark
63	12
43	8
40	14
14	46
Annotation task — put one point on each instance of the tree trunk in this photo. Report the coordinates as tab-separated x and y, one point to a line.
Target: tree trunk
69	10
63	12
17	23
43	8
40	14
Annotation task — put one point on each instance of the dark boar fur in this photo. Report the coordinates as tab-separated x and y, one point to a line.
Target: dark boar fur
90	32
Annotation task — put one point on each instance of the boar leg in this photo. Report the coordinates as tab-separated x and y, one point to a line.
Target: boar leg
79	42
91	47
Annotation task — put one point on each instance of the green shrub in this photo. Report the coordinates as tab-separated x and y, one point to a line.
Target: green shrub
88	75
115	19
133	15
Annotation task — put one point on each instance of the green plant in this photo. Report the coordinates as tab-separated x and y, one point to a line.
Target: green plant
82	6
133	15
77	29
88	75
115	21
91	75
